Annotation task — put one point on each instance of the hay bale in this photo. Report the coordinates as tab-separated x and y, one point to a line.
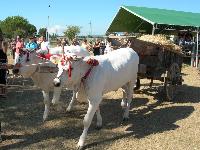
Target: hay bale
160	40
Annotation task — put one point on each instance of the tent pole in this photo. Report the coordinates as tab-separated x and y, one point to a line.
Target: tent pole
197	51
153	29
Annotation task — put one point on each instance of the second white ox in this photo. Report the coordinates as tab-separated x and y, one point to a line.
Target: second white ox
116	69
29	65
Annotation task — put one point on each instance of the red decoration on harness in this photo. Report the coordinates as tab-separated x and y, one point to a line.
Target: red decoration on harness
92	62
45	56
65	59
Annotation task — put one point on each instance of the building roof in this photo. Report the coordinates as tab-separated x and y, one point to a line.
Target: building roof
132	18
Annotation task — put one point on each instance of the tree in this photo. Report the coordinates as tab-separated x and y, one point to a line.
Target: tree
17	25
72	31
42	32
1	35
53	36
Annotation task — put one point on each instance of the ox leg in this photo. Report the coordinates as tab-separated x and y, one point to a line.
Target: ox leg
47	104
56	97
86	122
69	108
124	100
129	92
99	119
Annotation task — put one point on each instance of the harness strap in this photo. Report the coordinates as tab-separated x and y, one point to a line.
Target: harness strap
92	62
87	73
70	70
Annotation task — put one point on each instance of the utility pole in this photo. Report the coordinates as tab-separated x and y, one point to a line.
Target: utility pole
47	34
47	30
90	23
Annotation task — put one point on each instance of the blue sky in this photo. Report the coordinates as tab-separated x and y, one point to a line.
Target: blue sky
80	12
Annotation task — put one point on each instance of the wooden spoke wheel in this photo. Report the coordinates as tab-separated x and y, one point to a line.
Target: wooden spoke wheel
172	79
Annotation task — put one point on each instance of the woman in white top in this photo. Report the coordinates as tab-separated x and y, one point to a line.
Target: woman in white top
86	45
108	48
44	44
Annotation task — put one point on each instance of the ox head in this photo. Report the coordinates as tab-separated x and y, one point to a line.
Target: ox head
26	64
69	70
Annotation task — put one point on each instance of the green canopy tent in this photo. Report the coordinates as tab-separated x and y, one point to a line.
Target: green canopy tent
152	20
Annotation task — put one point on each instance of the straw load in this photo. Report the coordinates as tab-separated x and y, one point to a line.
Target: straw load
162	41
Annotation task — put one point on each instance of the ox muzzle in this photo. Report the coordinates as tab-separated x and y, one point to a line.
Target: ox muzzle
57	82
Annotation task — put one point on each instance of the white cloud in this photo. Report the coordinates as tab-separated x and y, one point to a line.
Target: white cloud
58	29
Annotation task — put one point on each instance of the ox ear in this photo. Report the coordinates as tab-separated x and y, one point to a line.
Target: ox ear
55	59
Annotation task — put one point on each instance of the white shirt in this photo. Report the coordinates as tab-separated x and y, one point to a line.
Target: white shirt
44	45
108	49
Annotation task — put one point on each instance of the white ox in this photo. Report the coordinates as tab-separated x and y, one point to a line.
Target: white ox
116	69
44	80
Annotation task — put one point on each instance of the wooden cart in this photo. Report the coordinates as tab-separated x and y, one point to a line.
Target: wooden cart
159	63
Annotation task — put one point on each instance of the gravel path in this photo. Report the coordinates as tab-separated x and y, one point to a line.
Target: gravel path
153	124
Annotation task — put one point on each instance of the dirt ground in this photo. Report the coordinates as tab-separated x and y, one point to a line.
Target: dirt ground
153	124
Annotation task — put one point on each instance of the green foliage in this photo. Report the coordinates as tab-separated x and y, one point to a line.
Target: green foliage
53	36
1	35
72	31
17	25
42	32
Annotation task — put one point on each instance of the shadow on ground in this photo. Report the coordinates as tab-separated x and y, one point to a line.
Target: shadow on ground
26	111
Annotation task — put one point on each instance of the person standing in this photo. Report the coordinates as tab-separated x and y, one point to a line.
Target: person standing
108	48
44	44
96	48
31	45
75	42
13	47
86	45
3	67
19	47
102	47
3	72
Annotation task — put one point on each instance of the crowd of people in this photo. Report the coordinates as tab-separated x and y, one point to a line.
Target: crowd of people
185	39
98	47
18	45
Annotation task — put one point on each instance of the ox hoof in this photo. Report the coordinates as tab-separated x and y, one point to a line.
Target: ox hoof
0	139
80	148
69	109
45	118
98	127
123	104
125	119
58	107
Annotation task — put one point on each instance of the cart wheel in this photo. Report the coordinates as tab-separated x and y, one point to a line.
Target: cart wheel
172	80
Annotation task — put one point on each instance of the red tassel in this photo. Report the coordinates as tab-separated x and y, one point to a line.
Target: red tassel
70	70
